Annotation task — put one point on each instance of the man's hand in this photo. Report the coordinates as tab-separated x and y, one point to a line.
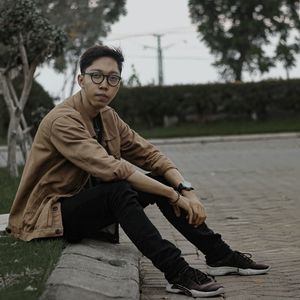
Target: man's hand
195	210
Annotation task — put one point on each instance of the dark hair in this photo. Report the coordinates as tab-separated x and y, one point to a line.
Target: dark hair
98	51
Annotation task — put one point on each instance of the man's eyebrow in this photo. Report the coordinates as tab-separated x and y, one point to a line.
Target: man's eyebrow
101	71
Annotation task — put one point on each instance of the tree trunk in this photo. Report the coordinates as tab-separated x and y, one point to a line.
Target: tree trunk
74	73
16	134
21	141
287	73
238	71
238	76
12	147
11	133
23	134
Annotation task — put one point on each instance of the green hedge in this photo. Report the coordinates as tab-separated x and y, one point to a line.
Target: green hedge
147	107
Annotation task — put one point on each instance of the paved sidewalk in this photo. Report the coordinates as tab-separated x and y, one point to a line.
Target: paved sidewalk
251	193
185	140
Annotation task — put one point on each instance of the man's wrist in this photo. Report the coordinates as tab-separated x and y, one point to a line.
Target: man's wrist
174	201
187	193
172	194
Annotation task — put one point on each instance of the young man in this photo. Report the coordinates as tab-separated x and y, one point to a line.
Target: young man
79	179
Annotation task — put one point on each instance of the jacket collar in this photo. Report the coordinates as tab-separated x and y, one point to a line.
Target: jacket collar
85	109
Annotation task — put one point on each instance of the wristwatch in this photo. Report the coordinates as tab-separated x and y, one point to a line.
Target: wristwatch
185	185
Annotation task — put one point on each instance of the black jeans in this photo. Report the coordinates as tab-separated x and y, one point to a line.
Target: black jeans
106	203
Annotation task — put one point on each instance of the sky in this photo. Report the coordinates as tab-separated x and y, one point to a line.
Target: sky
185	58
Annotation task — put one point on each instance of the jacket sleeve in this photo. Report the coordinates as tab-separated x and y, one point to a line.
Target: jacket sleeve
72	140
140	152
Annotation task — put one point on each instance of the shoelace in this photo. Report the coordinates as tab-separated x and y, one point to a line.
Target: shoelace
200	277
244	256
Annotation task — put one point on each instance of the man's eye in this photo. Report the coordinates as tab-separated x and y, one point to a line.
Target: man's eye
113	78
97	75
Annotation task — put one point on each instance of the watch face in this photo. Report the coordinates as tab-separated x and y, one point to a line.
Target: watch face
187	184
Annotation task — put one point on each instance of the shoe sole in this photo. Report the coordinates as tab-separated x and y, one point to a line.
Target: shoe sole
194	293
219	271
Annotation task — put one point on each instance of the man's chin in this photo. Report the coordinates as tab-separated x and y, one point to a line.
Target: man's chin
101	104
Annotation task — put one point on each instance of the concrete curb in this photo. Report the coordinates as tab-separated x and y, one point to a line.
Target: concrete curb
3	223
225	138
95	270
215	139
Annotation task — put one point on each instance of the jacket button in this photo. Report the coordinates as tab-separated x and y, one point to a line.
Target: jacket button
57	231
54	208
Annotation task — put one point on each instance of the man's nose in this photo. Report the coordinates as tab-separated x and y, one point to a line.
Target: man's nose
103	84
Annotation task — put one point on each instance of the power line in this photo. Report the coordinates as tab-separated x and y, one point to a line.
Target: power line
175	30
171	57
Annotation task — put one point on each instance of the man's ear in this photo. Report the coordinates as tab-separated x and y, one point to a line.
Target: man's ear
80	80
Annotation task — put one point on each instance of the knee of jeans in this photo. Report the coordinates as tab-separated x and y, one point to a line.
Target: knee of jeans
122	185
123	191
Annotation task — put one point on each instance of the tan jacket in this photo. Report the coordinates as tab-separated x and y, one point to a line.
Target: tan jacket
63	155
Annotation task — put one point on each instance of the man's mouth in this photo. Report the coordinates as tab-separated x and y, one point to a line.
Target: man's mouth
102	95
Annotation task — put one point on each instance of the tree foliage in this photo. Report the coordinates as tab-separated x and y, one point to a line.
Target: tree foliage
21	19
84	21
27	39
238	31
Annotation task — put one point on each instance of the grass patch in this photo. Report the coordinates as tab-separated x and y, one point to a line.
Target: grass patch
8	187
3	140
224	127
24	266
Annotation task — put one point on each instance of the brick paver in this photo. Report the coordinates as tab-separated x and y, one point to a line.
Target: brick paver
251	193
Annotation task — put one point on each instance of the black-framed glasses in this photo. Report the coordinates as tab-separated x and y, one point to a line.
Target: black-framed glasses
97	78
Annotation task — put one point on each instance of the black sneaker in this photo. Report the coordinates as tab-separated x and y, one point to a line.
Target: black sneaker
237	263
194	283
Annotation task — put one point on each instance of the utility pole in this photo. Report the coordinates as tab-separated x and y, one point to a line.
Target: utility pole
159	50
159	60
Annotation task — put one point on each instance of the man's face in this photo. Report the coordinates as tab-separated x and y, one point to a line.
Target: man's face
101	94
